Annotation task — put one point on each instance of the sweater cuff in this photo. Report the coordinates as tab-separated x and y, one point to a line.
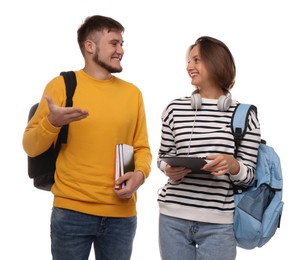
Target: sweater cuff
241	174
162	165
45	123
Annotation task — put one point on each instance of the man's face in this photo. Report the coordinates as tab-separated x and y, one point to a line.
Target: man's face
109	51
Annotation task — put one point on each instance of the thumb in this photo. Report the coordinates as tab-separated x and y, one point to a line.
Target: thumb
210	157
49	100
51	104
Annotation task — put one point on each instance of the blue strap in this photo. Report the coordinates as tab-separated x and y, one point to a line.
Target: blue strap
240	118
239	123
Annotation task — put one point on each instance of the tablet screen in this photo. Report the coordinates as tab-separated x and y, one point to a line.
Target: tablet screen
194	163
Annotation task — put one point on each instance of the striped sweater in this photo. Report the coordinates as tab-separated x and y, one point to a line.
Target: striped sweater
187	132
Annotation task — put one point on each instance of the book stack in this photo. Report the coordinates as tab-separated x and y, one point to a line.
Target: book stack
124	161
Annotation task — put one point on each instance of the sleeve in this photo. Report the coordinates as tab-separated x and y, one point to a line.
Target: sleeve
39	133
167	144
143	156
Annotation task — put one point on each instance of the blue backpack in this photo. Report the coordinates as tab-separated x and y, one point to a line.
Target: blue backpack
258	209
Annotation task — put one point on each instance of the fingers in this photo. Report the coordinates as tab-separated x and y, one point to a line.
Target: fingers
217	165
74	114
74	111
176	173
222	164
219	173
131	185
60	116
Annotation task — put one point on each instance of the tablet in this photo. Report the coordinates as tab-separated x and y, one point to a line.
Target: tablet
194	163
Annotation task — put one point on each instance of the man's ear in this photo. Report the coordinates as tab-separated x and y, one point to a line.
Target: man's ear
89	46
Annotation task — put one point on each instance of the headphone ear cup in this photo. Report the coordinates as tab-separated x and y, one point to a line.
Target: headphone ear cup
224	102
196	101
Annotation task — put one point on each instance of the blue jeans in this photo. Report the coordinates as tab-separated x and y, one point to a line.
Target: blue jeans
73	233
181	239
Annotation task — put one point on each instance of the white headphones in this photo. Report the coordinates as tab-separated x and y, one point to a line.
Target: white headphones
224	102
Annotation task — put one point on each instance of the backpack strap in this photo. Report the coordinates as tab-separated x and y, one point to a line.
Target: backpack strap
70	82
240	121
239	124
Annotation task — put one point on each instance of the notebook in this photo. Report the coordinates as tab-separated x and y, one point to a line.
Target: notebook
124	161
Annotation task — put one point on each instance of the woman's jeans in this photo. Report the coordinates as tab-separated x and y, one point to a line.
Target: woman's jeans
73	233
181	239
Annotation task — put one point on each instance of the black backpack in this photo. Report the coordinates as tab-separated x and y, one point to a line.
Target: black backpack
41	168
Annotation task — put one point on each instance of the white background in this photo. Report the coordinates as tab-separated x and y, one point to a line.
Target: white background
38	41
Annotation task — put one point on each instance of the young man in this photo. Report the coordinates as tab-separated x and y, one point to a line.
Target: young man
106	111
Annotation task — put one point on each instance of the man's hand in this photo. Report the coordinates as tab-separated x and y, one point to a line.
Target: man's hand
60	116
133	181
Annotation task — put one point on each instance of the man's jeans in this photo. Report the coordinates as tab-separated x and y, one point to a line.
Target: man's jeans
72	235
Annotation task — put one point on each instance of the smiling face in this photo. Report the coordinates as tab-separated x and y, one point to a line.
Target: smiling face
109	51
197	69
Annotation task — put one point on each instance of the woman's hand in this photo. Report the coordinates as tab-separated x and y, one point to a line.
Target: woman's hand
221	164
176	173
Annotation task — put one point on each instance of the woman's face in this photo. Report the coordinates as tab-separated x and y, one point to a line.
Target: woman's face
197	69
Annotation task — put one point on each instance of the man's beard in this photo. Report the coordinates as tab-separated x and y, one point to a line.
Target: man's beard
104	65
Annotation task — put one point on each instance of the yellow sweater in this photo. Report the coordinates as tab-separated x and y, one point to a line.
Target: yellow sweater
84	177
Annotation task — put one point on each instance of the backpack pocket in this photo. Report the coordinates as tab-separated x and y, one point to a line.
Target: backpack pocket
257	216
272	220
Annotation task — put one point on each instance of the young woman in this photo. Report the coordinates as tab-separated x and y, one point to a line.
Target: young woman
197	206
